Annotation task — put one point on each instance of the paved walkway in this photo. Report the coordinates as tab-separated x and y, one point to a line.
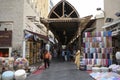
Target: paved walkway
59	70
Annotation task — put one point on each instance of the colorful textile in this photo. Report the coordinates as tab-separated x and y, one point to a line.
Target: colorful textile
109	61
104	33
105	76
109	33
84	40
85	34
98	47
101	33
89	34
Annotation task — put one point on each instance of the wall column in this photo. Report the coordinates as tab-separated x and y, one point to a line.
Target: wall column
79	37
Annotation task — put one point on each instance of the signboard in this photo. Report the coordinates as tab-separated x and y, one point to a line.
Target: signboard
5	38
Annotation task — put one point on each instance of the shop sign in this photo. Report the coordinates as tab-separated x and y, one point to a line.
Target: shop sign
5	38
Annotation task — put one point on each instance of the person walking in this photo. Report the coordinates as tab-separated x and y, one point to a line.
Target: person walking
68	54
77	59
47	58
63	55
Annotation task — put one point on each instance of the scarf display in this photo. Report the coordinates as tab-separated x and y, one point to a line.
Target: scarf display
98	48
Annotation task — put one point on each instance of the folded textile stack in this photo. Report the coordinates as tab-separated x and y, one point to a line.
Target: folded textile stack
114	67
118	70
96	69
89	67
104	69
105	76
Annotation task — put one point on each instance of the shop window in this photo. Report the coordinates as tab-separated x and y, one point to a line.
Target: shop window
4	52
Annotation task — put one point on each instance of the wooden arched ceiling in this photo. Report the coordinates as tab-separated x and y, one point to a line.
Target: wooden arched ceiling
63	9
63	21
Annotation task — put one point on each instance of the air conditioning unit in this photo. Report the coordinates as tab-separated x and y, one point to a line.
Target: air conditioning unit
109	20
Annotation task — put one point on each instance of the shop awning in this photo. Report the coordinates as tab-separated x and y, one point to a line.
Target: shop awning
52	40
36	34
111	24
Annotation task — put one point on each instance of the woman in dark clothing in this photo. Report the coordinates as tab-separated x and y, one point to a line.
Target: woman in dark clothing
47	57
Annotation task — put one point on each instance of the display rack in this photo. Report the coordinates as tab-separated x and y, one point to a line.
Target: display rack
98	48
33	51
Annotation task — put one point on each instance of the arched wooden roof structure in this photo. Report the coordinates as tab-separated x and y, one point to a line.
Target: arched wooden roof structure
63	9
64	21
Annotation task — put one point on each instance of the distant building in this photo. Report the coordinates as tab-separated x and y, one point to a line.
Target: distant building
44	7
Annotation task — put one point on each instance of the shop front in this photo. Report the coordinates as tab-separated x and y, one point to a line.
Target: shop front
34	46
5	43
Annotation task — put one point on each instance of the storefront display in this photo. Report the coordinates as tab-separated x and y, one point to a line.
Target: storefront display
21	63
33	51
105	76
6	64
5	43
97	48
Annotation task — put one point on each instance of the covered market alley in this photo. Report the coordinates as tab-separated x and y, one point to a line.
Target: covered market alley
65	23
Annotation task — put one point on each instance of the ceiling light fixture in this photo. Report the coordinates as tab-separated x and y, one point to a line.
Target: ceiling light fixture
64	32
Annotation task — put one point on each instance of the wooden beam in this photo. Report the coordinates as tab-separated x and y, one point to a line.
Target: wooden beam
83	22
64	20
56	14
70	13
63	9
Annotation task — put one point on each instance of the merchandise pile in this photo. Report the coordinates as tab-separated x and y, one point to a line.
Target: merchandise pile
11	68
106	73
21	63
6	64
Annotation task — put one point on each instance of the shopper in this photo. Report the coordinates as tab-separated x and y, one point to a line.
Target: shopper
77	59
63	55
47	58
